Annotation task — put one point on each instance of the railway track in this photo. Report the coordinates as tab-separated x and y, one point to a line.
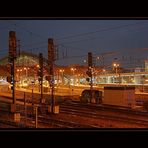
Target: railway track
98	107
105	112
8	123
47	120
108	113
62	123
104	116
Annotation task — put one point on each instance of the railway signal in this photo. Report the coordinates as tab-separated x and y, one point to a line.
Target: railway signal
9	79
89	72
40	72
48	78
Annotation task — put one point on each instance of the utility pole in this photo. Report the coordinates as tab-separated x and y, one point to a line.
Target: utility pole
12	61
51	60
19	51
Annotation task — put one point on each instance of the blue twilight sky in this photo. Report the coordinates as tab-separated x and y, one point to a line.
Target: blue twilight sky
122	40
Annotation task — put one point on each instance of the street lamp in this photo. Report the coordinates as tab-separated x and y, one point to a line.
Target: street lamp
97	59
18	74
73	72
25	71
103	70
84	61
62	71
116	65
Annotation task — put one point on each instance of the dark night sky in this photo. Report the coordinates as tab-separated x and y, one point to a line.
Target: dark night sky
75	38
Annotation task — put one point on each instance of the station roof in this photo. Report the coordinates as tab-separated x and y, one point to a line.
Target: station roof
24	59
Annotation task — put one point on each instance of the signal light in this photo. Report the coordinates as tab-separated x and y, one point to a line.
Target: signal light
87	79
40	71
39	79
48	78
89	73
9	79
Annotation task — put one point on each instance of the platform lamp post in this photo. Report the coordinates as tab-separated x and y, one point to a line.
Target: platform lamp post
62	75
115	66
97	59
73	73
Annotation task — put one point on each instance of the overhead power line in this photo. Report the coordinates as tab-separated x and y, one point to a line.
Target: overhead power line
76	35
101	30
27	30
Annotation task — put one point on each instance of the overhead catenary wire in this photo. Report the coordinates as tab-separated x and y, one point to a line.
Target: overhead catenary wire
101	30
76	35
27	30
88	33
